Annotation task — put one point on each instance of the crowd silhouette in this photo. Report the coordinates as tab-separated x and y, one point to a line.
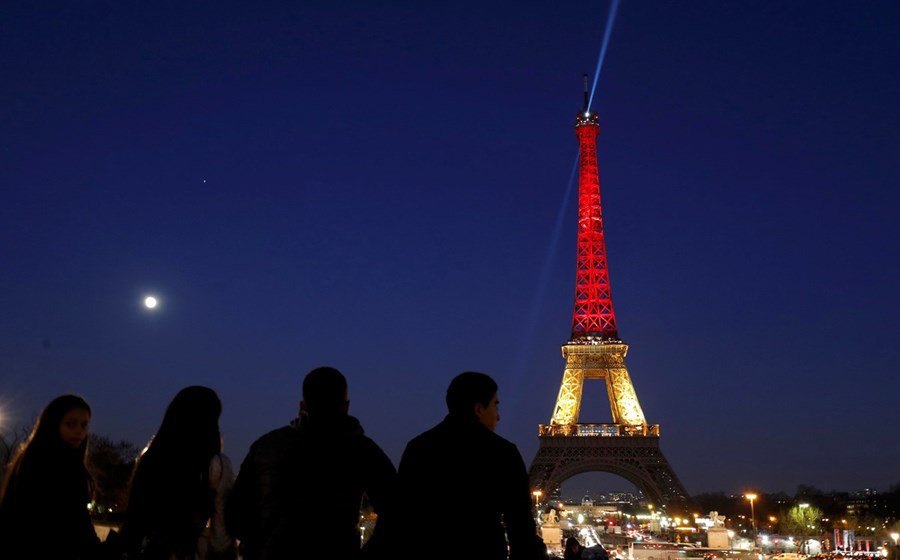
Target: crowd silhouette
297	493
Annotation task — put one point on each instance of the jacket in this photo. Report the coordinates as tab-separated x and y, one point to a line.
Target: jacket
299	489
479	481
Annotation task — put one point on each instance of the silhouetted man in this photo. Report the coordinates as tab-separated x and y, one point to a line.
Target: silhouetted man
299	489
474	480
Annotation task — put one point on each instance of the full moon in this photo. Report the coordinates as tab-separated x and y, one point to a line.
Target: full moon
150	302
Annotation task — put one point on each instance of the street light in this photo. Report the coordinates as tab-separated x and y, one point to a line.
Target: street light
752	497
895	536
537	502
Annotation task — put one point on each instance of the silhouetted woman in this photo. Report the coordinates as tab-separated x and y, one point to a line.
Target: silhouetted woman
46	490
171	499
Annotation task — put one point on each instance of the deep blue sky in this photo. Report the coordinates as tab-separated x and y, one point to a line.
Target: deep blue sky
377	186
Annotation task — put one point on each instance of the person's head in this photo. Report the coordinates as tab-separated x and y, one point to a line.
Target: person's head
324	393
474	394
191	422
175	465
572	544
65	420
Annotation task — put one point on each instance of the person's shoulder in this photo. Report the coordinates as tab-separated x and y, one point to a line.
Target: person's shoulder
352	430
221	460
423	444
437	431
500	443
274	436
283	431
500	440
370	450
221	456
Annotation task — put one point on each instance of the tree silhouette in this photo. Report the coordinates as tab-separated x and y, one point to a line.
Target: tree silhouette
111	464
10	443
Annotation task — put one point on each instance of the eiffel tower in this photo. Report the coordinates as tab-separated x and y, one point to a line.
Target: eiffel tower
628	447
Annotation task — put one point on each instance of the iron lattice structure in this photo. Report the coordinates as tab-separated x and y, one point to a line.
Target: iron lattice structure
628	447
594	315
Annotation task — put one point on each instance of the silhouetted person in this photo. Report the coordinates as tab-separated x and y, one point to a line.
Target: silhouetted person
573	549
298	491
596	552
46	488
476	479
172	499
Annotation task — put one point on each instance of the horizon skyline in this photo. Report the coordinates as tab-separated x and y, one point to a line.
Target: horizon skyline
571	494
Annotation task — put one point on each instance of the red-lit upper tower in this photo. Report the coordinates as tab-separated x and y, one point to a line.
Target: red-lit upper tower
594	318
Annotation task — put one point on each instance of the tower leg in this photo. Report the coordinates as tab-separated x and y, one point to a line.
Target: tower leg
568	403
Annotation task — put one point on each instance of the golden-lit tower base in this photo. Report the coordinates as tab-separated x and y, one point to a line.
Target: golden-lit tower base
629	447
597	361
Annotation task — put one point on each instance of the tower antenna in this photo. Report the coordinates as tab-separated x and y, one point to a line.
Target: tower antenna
585	110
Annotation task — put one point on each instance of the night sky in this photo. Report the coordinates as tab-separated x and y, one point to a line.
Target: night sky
385	187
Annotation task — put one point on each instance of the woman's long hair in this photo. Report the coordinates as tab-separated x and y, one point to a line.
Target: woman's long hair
46	448
170	495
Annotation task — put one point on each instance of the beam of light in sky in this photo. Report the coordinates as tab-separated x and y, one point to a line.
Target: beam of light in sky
540	292
610	20
544	278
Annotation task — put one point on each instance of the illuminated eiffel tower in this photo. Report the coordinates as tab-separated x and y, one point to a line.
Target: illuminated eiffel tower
629	447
